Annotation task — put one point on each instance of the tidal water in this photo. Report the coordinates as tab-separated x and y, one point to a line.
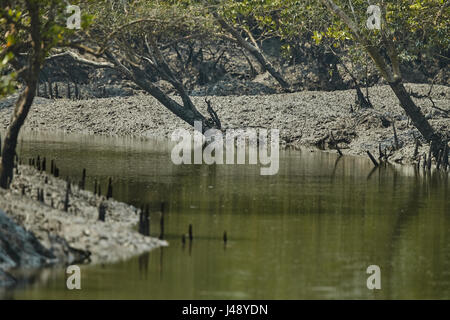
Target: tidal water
309	232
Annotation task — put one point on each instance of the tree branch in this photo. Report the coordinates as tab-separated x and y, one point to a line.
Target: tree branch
254	50
371	49
79	59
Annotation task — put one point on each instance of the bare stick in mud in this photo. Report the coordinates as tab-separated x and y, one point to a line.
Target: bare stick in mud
101	212
83	179
68	90
438	160
45	90
375	163
77	92
445	156
109	191
144	221
66	200
50	89
397	144
381	154
147	221
416	149
141	221
429	157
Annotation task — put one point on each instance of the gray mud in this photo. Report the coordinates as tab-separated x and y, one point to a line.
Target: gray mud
304	118
36	234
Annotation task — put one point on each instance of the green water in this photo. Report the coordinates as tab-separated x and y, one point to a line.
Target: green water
309	232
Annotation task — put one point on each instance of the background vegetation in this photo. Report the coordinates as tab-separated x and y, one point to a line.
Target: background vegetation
167	46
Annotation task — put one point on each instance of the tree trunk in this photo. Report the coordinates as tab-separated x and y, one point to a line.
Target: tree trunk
255	51
393	76
186	112
417	117
25	100
21	109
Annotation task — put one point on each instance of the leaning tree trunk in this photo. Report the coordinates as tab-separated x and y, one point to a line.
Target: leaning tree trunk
187	112
25	100
417	117
390	70
21	109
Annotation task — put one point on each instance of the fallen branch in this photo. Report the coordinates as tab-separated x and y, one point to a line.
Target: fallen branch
372	158
79	59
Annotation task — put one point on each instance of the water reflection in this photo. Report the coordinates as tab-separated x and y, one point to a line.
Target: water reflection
308	232
143	264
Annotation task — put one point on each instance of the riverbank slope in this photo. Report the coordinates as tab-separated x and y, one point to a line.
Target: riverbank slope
304	118
39	232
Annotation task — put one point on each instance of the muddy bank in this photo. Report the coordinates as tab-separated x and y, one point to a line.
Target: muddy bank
18	247
38	233
304	118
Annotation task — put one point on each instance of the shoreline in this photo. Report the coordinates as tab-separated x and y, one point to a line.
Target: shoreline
75	236
307	118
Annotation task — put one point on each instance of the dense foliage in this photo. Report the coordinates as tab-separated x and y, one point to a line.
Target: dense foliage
419	28
16	42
